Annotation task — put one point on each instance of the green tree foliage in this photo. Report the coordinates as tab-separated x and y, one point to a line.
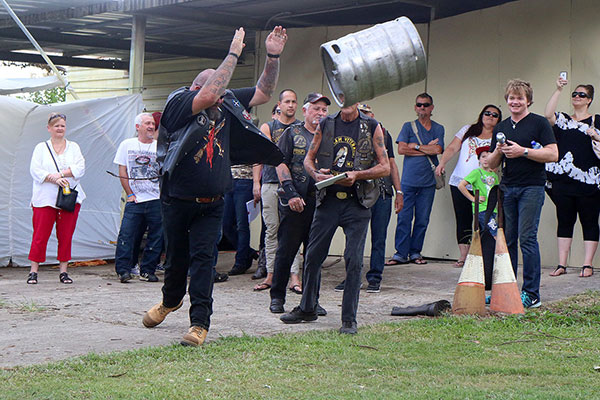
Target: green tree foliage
48	96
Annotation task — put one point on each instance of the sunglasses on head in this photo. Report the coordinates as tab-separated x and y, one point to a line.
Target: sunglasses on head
419	105
491	114
583	95
54	116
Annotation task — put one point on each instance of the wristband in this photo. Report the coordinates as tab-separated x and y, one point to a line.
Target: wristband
272	55
400	192
231	53
287	190
129	195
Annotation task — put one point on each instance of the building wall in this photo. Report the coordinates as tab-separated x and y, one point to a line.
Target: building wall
471	57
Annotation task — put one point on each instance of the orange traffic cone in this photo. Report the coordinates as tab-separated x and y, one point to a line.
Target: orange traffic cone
505	292
469	296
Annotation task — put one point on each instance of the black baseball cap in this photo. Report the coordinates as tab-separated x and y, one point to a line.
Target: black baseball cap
314	97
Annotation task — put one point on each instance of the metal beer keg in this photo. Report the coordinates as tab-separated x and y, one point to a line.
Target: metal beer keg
377	60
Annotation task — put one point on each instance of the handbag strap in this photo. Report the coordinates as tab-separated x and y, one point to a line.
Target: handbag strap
52	155
416	132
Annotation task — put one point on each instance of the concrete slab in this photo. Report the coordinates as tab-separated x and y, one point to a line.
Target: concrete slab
51	321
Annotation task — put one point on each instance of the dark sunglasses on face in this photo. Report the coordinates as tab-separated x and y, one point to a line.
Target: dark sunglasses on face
491	114
419	105
583	95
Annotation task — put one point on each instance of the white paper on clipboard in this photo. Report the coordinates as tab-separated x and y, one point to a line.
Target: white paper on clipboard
330	181
252	209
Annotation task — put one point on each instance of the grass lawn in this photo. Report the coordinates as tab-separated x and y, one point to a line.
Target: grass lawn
549	353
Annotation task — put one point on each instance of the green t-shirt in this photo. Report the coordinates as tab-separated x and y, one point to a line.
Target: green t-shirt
484	181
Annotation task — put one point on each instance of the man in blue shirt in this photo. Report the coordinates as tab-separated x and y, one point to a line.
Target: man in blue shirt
417	141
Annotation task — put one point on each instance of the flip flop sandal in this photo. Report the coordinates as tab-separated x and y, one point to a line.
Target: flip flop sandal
557	271
419	261
296	289
581	275
262	286
64	278
32	278
393	261
459	264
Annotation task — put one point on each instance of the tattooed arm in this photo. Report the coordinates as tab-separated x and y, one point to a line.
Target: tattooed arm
213	84
267	82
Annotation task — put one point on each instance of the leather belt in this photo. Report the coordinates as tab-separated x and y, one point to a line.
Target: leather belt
202	200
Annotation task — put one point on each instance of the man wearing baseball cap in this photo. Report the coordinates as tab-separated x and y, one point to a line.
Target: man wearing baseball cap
297	197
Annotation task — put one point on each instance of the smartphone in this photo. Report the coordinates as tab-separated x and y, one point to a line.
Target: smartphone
563	75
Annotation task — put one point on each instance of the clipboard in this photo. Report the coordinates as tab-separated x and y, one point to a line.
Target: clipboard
330	181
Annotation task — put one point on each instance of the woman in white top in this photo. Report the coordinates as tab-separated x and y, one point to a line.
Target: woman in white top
467	140
46	181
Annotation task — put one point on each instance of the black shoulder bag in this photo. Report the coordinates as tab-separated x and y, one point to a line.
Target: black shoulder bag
64	201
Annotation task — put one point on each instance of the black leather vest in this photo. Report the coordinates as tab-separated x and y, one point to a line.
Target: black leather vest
367	191
301	138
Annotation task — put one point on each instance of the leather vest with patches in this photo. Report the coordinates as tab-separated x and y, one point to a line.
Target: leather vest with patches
247	143
301	138
276	129
367	191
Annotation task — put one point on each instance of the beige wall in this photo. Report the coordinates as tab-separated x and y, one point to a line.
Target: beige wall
472	56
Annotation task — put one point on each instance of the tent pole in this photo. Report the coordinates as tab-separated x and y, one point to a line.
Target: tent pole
39	48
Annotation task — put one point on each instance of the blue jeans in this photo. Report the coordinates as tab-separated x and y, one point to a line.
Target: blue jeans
522	209
191	233
418	202
380	219
235	220
136	218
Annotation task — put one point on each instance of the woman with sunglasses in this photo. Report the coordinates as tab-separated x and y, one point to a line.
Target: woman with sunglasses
47	178
573	181
466	141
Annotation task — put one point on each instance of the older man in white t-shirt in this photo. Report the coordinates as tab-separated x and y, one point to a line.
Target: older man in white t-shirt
139	176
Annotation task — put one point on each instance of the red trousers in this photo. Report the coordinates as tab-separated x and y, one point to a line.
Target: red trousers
43	222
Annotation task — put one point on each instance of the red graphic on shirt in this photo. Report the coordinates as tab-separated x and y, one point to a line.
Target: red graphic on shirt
212	142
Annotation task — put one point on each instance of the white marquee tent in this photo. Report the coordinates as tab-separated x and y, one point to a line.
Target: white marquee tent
98	126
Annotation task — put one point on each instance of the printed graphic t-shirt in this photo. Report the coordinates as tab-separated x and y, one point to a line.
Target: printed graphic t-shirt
140	160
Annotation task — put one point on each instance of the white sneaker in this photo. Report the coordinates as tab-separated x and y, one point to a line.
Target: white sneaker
136	270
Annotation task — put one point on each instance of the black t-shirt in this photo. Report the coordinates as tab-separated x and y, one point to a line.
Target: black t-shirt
269	173
206	170
577	171
522	171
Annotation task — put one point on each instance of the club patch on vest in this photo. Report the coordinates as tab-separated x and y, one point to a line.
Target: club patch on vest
236	103
300	142
246	115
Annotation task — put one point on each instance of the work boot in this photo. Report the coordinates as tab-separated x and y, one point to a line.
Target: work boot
157	314
276	306
195	336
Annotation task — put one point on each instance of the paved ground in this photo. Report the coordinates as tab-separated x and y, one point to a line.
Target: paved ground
51	321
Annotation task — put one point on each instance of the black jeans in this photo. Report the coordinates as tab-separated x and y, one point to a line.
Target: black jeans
293	231
354	220
191	233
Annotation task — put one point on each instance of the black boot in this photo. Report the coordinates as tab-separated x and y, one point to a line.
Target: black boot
432	309
261	271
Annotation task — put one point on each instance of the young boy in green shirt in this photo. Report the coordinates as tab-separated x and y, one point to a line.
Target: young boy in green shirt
482	179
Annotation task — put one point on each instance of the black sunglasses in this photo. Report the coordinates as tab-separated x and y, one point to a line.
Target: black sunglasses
583	95
491	114
54	116
419	105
